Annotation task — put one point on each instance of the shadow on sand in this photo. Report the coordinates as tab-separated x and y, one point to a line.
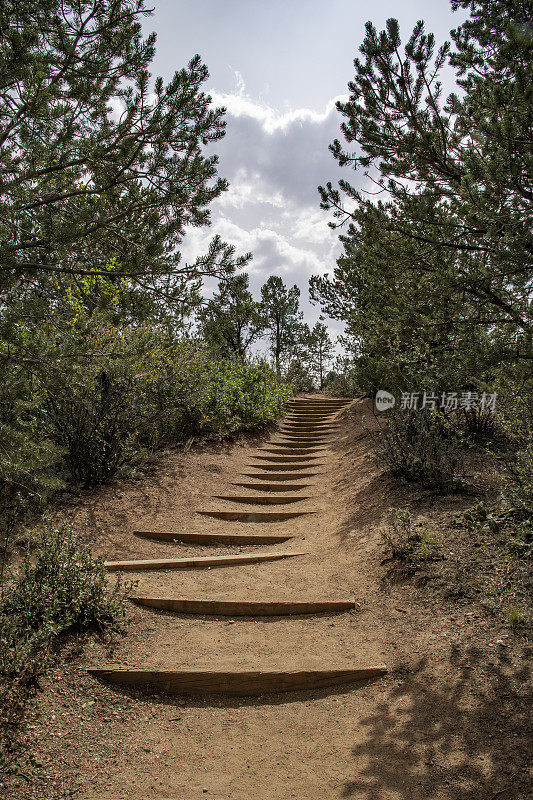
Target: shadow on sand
461	735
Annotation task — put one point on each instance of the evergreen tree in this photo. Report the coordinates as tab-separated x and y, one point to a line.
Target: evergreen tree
437	279
231	321
101	169
281	309
320	349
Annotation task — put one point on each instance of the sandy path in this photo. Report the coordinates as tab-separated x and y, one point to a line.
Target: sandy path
429	730
241	747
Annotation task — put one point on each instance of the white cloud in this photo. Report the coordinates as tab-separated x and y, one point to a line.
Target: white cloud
239	104
274	162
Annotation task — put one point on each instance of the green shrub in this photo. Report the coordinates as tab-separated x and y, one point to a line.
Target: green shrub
404	543
516	506
93	423
420	446
58	587
241	396
137	390
298	377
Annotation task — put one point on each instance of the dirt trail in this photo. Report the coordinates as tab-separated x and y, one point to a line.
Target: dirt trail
428	730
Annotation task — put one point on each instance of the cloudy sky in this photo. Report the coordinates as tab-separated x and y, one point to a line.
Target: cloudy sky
278	66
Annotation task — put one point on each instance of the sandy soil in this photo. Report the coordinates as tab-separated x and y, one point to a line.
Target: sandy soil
448	722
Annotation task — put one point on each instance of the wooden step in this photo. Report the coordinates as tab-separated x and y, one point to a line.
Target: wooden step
322	399
243	608
290	457
320	423
308	421
291	428
294	451
315	411
282	467
319	400
255	516
283	430
200	562
214	538
306	426
299	451
282	450
314	445
274	487
280	476
259	500
301	440
308	432
316	436
315	407
240	683
301	414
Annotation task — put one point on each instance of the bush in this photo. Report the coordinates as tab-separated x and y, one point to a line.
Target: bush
515	508
241	396
138	391
104	398
404	543
420	446
340	385
94	425
299	378
58	587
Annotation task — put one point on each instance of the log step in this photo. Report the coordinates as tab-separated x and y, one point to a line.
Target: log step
280	476
306	432
319	400
255	516
274	487
290	457
243	608
314	422
318	437
311	411
339	400
305	426
282	450
242	683
290	428
306	420
296	447
200	562
213	538
305	441
288	466
305	412
316	409
296	416
259	500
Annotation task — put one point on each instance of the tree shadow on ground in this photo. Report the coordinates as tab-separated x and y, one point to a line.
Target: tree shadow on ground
460	734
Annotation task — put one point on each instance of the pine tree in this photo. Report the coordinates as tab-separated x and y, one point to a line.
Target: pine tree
320	348
101	168
281	309
231	321
442	266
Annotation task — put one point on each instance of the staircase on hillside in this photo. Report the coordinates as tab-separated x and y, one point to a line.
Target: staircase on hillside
280	480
